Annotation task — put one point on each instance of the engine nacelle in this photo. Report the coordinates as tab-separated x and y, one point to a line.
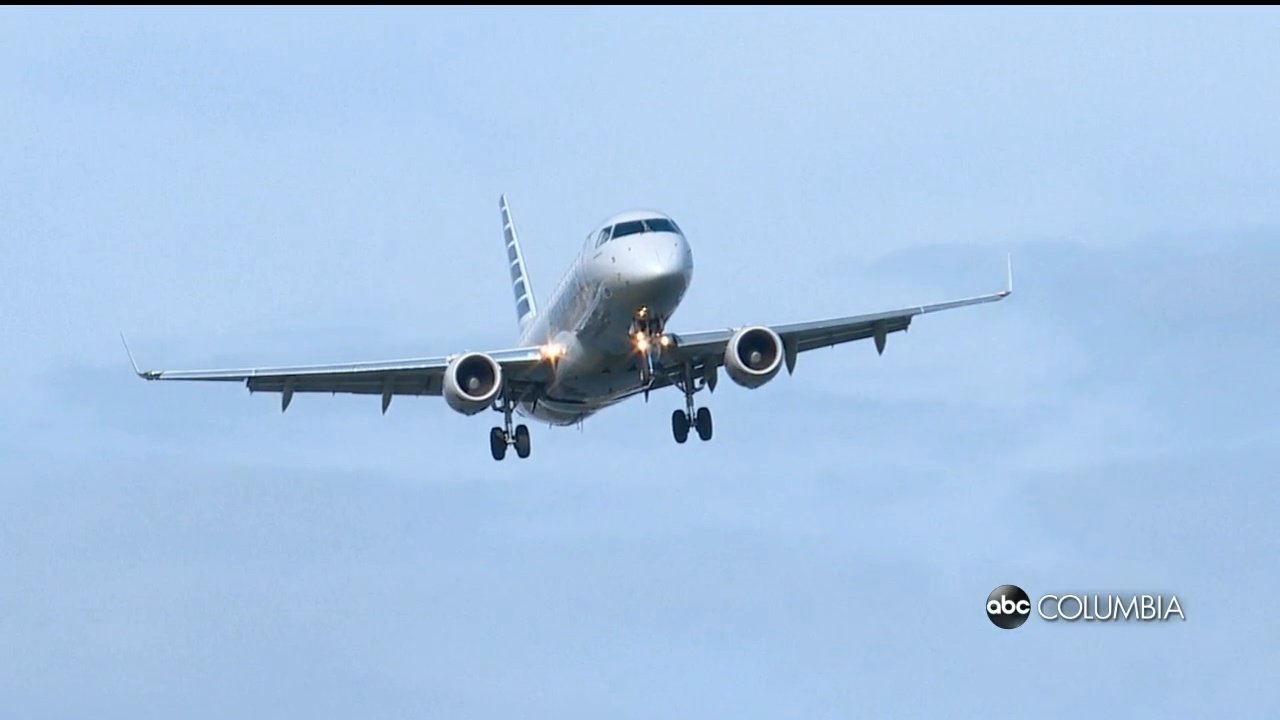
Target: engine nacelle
753	356
471	382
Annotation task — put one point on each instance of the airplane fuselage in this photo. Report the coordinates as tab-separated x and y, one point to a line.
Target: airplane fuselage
592	314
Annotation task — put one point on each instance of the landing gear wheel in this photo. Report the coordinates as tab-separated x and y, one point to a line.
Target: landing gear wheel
680	426
522	441
703	422
498	443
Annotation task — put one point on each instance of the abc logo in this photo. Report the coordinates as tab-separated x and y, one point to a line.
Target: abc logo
1008	607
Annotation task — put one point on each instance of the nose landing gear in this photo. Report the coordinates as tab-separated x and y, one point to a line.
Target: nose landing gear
649	340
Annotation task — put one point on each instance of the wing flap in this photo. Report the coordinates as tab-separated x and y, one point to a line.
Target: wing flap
819	338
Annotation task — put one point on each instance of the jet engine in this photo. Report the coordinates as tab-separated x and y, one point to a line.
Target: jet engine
471	382
753	356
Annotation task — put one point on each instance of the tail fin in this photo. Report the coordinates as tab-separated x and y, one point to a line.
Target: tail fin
526	305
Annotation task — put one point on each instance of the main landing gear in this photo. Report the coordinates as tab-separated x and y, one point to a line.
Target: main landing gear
501	437
682	420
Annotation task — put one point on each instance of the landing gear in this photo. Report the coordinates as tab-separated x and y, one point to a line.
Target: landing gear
497	443
682	420
648	324
680	426
649	340
501	437
521	441
703	422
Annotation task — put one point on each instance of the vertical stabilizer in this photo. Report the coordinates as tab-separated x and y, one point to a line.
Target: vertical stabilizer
526	305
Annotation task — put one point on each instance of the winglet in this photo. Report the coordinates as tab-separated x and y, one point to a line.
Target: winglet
1009	290
148	375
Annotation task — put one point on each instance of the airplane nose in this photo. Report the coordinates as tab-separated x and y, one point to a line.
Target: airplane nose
661	264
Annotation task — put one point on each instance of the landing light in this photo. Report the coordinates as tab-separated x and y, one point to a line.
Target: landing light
664	341
551	351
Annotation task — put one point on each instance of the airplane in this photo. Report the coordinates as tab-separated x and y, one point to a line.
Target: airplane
601	338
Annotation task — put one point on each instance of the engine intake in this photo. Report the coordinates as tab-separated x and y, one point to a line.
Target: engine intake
753	356
471	382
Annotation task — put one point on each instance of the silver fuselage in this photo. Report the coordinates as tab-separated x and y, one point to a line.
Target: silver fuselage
590	315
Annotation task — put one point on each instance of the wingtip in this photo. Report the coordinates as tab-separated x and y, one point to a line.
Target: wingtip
147	375
1009	288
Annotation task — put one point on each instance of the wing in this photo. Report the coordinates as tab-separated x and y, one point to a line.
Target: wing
704	350
524	370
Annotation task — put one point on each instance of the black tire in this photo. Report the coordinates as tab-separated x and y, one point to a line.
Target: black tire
680	426
703	422
498	443
522	441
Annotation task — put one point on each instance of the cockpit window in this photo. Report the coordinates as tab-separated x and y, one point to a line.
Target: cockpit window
635	227
661	225
627	228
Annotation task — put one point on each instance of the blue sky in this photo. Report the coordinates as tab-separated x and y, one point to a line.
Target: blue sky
269	186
